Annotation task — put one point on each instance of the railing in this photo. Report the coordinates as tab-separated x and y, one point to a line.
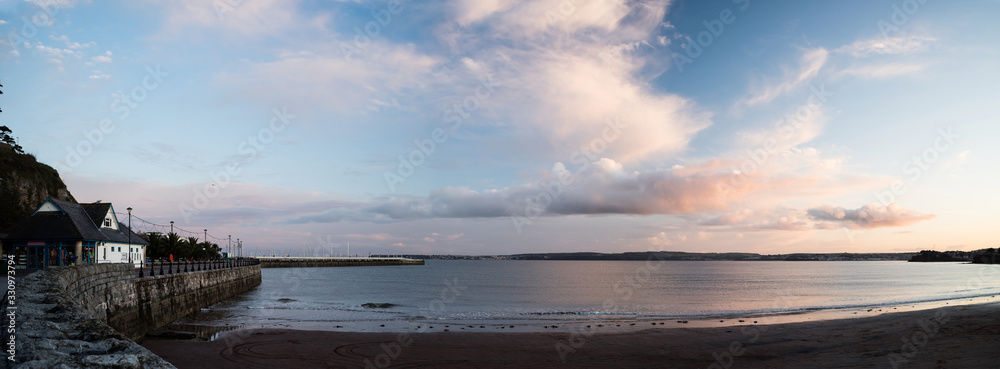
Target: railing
167	267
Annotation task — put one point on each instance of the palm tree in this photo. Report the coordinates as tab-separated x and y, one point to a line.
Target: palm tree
157	245
215	251
173	244
190	246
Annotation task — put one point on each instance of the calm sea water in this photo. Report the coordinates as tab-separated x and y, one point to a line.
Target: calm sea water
539	293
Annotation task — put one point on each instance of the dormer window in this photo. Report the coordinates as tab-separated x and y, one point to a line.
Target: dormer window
107	222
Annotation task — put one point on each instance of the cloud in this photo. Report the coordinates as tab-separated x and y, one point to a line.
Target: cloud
886	46
602	187
378	74
560	79
810	64
106	58
72	44
531	18
869	216
245	18
574	67
886	70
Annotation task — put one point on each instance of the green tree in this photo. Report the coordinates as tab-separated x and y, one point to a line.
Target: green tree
157	244
190	247
7	138
173	244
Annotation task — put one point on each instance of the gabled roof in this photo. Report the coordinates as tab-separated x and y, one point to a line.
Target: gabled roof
71	222
97	211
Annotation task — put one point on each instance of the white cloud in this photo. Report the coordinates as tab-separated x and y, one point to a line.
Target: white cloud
574	68
106	58
887	70
811	63
72	44
886	46
869	216
377	74
253	18
54	52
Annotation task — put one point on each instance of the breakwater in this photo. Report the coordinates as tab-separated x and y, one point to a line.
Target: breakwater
297	262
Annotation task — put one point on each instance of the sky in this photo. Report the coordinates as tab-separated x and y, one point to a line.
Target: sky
490	127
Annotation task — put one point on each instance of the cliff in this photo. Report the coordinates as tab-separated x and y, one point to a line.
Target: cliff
24	184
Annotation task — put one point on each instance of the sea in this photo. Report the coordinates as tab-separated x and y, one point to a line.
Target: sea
532	296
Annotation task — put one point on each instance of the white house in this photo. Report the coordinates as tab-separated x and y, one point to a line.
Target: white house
62	233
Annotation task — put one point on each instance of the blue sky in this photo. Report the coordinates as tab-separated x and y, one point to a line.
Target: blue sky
497	127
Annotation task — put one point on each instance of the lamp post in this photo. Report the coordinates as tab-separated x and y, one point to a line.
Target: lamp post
230	242
171	244
130	236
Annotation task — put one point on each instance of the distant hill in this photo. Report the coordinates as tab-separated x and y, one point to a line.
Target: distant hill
25	184
937	256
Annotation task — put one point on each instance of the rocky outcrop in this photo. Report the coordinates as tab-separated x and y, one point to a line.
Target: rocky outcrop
54	330
24	185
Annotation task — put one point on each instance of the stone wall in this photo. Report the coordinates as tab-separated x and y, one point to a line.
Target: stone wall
163	299
111	293
54	330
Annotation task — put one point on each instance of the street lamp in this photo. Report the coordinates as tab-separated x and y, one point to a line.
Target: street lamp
130	236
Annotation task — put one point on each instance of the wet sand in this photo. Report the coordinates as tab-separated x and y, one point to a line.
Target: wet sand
950	337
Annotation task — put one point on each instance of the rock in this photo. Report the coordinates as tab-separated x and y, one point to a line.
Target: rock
372	305
124	361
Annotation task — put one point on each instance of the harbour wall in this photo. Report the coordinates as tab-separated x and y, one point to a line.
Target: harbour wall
134	306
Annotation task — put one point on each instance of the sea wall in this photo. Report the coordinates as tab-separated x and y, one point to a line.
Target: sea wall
90	315
163	299
54	330
134	306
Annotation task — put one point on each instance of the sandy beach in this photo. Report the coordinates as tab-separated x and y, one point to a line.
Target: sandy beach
950	337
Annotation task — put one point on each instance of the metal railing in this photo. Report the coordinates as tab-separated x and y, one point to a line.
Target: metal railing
158	268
